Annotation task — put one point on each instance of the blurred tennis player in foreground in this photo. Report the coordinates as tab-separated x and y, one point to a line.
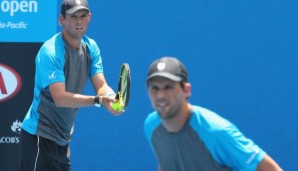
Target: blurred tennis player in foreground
64	63
185	137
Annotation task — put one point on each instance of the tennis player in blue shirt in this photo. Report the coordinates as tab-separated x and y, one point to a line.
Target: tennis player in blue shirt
186	137
64	63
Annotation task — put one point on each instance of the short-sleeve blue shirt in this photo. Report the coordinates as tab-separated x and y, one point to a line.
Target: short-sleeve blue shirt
206	142
55	62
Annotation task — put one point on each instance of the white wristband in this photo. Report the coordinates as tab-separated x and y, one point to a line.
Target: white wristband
110	93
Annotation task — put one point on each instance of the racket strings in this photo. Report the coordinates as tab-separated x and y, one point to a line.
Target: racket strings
125	83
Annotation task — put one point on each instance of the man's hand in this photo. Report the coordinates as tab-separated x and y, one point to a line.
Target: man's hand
107	101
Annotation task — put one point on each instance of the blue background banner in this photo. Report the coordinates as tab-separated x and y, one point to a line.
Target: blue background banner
241	57
27	20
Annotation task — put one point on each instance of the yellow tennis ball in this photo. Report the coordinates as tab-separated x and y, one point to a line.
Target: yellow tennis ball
117	106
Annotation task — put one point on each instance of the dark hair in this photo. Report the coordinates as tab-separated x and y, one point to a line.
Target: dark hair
182	84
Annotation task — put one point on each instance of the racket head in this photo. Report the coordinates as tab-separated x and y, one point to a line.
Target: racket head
123	92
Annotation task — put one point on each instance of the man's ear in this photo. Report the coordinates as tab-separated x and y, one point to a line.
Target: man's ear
90	16
187	89
61	19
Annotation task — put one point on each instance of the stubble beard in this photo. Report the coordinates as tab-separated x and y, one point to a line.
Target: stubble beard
166	114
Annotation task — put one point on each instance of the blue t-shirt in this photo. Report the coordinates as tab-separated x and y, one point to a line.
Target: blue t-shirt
206	142
55	62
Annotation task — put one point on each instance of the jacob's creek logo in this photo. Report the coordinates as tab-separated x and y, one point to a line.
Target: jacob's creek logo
16	128
10	82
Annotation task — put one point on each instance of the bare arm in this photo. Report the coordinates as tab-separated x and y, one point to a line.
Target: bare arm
62	98
100	85
268	164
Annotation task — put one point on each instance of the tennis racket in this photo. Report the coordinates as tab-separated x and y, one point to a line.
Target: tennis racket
123	92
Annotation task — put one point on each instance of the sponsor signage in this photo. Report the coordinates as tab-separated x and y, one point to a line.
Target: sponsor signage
27	20
24	26
10	82
15	139
17	64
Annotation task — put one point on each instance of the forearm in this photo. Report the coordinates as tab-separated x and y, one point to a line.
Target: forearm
100	85
74	100
105	91
62	98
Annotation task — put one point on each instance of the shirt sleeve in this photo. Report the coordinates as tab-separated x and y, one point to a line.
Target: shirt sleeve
151	123
96	60
236	150
225	141
49	67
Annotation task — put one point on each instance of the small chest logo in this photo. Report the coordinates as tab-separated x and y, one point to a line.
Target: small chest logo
52	75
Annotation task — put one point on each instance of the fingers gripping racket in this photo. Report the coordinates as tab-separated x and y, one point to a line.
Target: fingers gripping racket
122	97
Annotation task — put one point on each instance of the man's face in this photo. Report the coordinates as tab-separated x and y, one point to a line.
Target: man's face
76	24
167	96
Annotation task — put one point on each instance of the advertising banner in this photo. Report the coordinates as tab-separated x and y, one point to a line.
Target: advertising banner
16	92
27	20
24	26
